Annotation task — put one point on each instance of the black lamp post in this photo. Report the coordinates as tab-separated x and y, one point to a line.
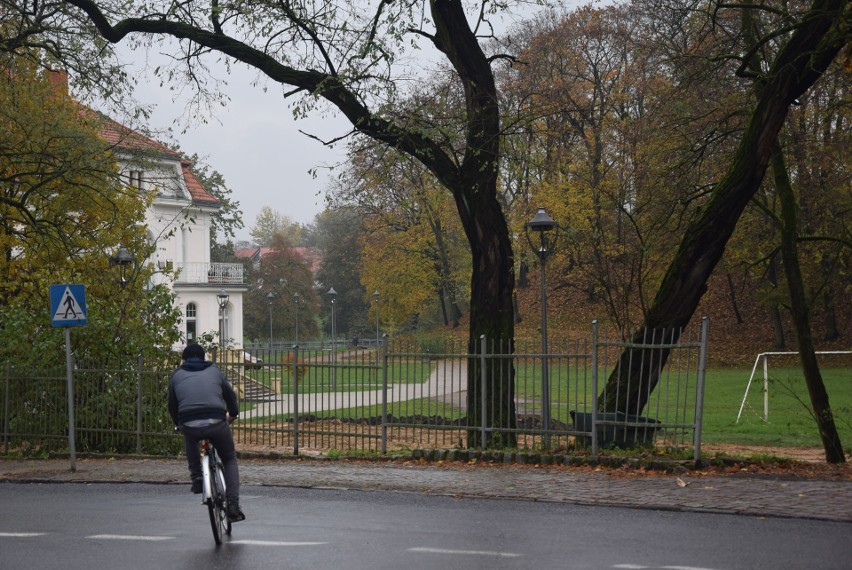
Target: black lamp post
333	295
542	234
222	300
123	259
296	300
269	297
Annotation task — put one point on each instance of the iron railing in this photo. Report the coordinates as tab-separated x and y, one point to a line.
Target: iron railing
402	396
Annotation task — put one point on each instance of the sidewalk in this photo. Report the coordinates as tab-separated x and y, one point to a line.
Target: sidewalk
754	495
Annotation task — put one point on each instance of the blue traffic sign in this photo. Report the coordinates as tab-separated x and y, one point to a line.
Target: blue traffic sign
68	305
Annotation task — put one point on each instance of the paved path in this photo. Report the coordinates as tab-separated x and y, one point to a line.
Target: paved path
447	377
755	495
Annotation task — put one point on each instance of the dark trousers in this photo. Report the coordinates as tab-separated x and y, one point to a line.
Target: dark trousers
222	439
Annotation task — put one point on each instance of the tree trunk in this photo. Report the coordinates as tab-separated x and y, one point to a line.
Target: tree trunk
732	291
774	311
490	396
802	60
831	330
801	314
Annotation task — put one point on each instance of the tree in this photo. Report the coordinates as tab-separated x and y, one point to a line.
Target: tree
283	273
801	312
339	232
228	218
412	253
338	54
63	213
270	224
804	55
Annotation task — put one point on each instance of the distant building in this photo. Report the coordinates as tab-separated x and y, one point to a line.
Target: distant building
178	224
310	255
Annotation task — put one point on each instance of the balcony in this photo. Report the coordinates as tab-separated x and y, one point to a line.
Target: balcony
214	273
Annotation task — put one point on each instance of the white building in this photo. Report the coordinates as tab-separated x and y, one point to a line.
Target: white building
178	224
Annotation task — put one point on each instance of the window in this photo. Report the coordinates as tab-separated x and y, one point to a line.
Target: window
191	330
135	179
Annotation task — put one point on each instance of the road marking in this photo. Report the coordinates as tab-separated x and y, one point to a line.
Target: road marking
468	552
21	534
128	537
274	543
643	567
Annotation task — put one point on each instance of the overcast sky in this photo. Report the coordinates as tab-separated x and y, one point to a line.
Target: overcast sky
255	144
254	141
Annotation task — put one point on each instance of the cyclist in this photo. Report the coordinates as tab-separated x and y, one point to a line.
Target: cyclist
202	404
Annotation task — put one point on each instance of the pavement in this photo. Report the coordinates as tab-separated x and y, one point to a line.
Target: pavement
760	495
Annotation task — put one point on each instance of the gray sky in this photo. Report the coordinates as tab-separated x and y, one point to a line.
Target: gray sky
255	143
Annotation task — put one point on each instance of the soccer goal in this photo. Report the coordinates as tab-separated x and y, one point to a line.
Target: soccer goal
765	357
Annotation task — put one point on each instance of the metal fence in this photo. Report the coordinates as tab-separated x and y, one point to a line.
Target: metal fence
402	395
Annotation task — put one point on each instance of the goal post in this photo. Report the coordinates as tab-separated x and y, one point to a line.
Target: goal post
765	356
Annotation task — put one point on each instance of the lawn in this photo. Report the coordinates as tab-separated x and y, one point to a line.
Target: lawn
790	423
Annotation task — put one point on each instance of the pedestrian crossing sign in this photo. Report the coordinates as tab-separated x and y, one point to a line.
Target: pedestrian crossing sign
68	305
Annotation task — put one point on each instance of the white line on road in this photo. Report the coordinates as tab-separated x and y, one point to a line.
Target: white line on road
468	552
274	543
127	537
643	567
21	534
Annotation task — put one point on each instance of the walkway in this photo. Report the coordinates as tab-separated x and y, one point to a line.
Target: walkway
738	494
448	378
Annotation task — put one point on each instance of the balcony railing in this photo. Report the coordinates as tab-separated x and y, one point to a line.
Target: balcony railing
218	273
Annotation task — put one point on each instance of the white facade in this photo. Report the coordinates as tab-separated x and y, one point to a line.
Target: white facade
178	223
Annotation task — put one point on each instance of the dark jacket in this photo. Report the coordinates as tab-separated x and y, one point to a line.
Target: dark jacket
199	390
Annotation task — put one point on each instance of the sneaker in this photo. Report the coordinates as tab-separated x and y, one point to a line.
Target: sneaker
197	486
235	514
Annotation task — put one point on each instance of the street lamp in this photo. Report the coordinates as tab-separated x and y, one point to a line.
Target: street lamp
296	300
333	295
122	258
542	234
376	299
269	297
222	300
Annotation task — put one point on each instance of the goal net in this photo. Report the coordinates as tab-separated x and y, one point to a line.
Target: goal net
763	358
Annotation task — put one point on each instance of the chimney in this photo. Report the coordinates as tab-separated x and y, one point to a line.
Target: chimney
58	78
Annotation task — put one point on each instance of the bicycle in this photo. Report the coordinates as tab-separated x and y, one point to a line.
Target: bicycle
213	490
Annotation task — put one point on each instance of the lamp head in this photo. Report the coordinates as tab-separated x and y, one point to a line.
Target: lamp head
547	231
122	258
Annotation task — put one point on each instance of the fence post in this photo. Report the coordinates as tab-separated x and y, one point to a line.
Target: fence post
483	383
383	370
699	402
295	399
139	405
594	453
6	404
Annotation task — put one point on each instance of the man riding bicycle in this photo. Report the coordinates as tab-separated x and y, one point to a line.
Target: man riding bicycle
202	404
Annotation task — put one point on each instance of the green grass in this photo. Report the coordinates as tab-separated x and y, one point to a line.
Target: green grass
790	421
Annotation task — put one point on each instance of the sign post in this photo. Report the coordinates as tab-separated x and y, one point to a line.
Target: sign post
68	309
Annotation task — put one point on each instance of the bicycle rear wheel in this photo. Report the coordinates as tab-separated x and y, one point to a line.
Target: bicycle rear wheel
220	489
216	504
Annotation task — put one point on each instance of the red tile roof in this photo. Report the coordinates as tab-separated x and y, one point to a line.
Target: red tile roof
124	138
309	255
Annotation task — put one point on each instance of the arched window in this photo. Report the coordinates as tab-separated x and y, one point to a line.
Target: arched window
191	330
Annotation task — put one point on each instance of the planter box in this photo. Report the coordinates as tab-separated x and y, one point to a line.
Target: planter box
617	429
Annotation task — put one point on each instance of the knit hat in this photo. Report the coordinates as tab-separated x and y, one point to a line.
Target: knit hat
193	351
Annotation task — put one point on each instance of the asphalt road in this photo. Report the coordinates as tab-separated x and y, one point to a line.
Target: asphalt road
45	526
